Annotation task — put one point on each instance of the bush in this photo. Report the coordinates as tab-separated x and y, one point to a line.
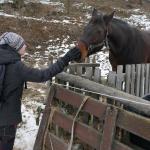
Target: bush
18	3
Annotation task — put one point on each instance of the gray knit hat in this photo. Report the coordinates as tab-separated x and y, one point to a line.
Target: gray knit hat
12	39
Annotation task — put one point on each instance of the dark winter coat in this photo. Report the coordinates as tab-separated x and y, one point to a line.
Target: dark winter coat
16	74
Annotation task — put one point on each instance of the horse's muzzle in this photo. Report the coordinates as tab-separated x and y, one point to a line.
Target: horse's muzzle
83	49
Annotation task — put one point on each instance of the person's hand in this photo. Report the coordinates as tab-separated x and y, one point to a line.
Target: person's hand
72	55
94	50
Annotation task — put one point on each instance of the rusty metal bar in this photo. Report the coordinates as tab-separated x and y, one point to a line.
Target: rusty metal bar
109	128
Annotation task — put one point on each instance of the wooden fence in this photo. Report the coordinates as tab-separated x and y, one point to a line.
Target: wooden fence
135	80
101	138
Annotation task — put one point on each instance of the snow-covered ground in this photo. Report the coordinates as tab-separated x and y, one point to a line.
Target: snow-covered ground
27	130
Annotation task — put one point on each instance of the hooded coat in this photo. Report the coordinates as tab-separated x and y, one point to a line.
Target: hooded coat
16	74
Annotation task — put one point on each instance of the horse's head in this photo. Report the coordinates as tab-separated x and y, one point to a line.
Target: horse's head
95	32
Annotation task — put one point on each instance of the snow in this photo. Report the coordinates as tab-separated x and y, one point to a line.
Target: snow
27	130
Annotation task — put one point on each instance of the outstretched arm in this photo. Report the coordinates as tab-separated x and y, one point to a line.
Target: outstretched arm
41	75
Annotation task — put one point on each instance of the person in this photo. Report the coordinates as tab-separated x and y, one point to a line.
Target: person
12	48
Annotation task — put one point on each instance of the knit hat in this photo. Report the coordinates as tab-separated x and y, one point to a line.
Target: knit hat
12	39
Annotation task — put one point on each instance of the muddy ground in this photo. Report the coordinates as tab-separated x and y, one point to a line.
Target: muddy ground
42	24
37	32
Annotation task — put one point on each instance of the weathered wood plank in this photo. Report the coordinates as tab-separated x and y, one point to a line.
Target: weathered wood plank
89	73
133	79
72	70
85	133
109	129
84	64
119	77
134	123
120	146
56	142
128	78
92	106
79	70
147	78
138	76
142	80
129	100
44	122
112	79
97	75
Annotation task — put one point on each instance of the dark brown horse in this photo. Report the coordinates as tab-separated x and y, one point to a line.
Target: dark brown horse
127	45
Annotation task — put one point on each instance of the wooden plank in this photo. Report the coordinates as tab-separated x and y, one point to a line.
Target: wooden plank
84	64
57	143
128	78
120	69
119	77
120	146
147	78
142	81
72	69
79	70
119	81
112	79
138	76
133	79
109	128
44	122
85	133
89	73
128	100
135	124
92	106
97	75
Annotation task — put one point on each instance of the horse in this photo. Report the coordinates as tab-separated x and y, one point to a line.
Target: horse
126	44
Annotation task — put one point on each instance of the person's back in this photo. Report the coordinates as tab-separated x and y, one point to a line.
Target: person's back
2	73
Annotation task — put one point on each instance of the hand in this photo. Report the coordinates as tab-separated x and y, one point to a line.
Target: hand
72	54
94	50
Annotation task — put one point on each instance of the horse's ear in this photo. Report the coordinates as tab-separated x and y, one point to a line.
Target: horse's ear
108	18
94	13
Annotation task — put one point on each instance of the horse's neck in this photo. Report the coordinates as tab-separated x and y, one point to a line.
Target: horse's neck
119	37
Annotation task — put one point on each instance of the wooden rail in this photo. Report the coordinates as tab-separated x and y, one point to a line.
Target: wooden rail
135	80
129	100
100	138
